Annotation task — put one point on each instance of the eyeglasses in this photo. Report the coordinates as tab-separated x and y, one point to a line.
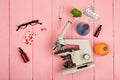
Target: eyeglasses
32	23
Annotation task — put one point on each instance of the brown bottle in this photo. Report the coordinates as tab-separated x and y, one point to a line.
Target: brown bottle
23	55
98	31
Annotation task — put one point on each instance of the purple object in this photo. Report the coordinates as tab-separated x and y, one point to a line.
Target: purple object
82	29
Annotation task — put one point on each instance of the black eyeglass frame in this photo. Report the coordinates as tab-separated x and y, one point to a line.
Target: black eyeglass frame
32	23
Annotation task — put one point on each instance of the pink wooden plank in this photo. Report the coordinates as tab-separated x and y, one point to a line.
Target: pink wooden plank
57	27
104	65
20	12
42	48
4	39
116	40
82	4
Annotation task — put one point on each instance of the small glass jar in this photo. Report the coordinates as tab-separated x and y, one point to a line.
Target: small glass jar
83	28
102	49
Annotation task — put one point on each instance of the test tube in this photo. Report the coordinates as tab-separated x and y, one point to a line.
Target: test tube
61	13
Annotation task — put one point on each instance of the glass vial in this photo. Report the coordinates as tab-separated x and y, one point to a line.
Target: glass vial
23	55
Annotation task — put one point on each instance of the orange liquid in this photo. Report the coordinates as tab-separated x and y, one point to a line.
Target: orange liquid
102	49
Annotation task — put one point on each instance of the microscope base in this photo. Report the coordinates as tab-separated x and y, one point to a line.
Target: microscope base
78	68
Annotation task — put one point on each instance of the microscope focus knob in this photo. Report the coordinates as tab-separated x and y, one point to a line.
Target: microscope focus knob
86	56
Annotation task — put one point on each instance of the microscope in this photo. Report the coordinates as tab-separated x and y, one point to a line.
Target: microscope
74	59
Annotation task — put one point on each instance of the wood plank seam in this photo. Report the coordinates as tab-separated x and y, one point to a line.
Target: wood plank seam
9	39
113	35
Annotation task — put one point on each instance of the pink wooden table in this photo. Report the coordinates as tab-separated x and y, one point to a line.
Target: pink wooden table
43	64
